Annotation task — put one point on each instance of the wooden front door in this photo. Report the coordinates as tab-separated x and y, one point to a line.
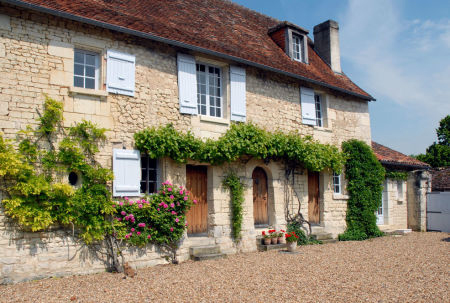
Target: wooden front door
196	183
260	197
313	197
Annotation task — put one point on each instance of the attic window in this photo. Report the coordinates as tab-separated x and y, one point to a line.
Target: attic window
297	48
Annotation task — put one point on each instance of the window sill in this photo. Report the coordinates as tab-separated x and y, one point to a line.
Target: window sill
321	128
340	197
214	120
89	92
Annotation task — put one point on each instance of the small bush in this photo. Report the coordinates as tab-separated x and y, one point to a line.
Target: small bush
303	239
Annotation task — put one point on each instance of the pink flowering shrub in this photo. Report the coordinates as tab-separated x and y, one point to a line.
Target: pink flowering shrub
160	219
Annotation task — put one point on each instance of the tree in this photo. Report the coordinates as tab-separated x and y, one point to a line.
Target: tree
438	154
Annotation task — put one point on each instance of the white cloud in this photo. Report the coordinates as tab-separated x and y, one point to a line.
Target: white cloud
404	61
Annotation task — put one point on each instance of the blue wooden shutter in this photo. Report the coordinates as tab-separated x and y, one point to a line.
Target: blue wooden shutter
127	173
308	106
187	84
238	101
120	78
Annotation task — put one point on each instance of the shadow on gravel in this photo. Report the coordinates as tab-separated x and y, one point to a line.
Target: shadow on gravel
446	239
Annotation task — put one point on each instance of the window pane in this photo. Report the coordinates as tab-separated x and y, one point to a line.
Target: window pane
144	187
78	70
212	112
151	188
203	99
211	101
90	83
218	102
78	82
152	175
203	89
211	70
90	71
90	59
218	114
203	111
202	78
202	68
79	57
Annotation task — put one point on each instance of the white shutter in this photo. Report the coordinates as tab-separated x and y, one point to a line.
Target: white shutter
238	102
120	70
187	84
127	173
308	106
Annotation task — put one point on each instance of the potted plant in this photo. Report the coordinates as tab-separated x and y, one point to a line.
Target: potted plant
281	238
291	239
273	236
266	238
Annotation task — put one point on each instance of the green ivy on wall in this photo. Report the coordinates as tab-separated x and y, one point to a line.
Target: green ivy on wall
365	177
243	139
236	188
397	175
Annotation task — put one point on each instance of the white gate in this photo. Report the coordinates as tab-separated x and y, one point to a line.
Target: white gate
438	211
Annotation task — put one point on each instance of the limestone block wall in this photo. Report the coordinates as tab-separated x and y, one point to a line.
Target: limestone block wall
419	184
395	205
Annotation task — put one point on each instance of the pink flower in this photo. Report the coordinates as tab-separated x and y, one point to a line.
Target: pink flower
169	189
138	233
141	224
130	202
157	209
127	218
174	213
171	197
161	204
177	220
140	205
149	237
195	201
119	219
165	205
186	224
132	229
181	192
121	203
185	198
171	229
126	198
123	213
114	205
172	205
132	220
178	203
127	236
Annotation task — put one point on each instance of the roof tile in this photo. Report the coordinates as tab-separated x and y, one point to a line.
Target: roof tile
389	156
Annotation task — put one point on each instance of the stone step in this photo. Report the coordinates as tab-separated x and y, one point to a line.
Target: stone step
199	241
323	236
204	250
262	247
203	257
329	241
316	229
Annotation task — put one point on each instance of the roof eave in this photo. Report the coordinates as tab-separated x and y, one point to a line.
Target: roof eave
406	165
178	44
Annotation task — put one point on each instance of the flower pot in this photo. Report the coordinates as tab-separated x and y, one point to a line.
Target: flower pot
274	240
291	246
281	240
266	241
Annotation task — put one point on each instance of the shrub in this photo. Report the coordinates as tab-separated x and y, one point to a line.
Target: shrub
365	178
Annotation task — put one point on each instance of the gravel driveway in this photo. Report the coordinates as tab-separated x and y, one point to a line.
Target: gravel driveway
411	268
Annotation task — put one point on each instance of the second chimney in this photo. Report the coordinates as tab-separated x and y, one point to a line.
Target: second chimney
326	44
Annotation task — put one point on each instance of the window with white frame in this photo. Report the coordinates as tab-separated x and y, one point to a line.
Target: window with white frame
86	69
209	90
337	187
149	175
297	48
319	116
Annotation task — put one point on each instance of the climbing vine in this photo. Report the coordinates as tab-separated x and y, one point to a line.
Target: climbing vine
243	139
397	175
236	188
365	178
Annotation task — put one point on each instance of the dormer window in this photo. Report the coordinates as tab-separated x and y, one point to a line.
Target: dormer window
297	48
292	39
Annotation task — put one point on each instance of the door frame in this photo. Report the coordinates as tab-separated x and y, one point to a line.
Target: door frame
319	197
206	168
267	199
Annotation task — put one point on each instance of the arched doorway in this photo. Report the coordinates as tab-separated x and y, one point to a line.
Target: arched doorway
260	197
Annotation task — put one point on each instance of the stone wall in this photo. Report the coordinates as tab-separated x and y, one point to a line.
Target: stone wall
419	184
37	58
394	205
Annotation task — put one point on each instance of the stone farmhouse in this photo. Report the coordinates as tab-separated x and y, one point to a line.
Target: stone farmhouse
199	65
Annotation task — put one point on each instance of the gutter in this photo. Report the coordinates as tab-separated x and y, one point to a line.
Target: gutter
176	43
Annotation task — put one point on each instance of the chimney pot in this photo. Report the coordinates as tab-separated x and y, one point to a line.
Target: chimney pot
326	44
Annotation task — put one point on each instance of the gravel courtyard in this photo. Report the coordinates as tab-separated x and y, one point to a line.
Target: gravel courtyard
411	268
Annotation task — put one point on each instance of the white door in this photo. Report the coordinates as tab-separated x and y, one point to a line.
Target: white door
380	211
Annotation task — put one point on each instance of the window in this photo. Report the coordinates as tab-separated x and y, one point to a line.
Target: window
209	90
297	48
318	103
149	175
337	183
86	69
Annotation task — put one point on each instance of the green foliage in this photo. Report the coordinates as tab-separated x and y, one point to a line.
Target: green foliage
438	154
236	188
159	220
365	178
397	175
243	139
35	199
302	239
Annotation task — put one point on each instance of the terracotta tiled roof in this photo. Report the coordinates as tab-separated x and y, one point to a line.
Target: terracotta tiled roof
440	179
389	156
213	26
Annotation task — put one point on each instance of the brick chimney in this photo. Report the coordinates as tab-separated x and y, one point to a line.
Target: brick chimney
326	44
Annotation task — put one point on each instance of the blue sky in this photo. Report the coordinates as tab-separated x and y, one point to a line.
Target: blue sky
398	51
